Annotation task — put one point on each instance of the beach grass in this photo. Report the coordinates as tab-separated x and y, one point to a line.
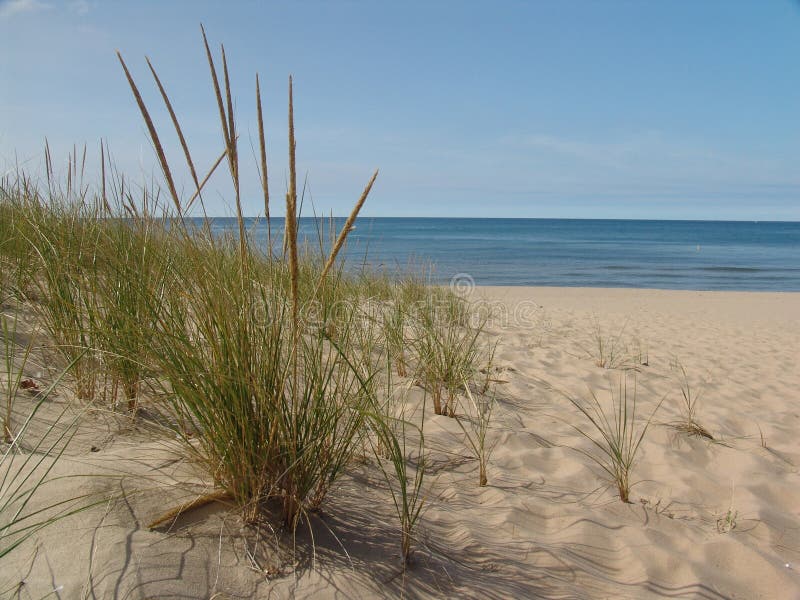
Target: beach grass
615	433
265	367
271	367
63	236
615	351
478	416
406	481
270	401
134	268
15	361
689	404
448	347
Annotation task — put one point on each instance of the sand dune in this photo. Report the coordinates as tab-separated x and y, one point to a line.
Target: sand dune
708	519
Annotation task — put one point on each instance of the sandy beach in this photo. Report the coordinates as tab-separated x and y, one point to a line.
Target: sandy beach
707	518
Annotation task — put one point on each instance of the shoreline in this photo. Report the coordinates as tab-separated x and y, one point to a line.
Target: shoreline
613	289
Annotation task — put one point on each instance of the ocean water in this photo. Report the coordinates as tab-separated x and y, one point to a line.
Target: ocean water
696	255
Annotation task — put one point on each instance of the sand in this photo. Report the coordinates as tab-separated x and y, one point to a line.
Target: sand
707	519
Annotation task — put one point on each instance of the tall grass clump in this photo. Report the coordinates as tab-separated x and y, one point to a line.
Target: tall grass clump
228	358
17	259
266	363
64	238
134	272
8	237
267	400
615	433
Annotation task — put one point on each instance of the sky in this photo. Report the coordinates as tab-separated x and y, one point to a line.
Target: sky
687	109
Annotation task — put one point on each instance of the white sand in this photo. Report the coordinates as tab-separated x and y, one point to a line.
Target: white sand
548	525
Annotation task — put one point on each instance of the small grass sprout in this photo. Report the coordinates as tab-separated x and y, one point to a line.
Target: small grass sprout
690	398
763	439
616	351
405	481
641	353
478	415
727	522
610	352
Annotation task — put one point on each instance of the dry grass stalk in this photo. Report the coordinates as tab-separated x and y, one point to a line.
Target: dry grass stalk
291	209
291	508
162	159
106	206
346	229
231	121
199	502
229	137
217	93
178	129
205	179
48	164
262	142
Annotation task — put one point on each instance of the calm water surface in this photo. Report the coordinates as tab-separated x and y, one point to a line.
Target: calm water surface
700	255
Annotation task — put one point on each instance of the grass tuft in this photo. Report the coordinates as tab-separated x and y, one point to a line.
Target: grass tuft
270	403
478	415
615	433
690	399
448	349
405	481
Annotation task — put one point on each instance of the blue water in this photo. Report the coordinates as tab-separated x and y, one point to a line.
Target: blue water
697	255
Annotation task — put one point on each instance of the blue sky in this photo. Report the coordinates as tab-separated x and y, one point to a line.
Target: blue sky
681	109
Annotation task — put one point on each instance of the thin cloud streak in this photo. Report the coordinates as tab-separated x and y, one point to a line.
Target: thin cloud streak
12	8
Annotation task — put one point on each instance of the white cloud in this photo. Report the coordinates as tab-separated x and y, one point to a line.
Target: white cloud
80	7
11	8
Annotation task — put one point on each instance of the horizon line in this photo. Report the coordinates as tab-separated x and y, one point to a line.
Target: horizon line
362	217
